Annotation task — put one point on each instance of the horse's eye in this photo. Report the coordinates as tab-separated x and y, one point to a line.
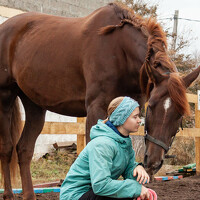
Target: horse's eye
151	105
157	64
149	109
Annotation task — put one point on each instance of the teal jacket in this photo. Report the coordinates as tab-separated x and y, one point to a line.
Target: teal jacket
99	165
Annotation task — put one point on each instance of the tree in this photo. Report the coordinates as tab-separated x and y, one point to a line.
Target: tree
142	7
185	62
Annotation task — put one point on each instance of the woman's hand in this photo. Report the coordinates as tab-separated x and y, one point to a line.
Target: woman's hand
142	176
145	194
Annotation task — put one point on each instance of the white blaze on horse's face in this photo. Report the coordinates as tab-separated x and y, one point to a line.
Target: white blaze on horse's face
167	104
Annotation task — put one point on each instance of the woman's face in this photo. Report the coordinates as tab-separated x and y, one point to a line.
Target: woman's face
132	123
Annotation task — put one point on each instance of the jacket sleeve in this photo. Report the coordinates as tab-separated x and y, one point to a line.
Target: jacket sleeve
100	164
128	173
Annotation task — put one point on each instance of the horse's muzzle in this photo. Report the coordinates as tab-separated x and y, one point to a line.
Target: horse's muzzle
152	167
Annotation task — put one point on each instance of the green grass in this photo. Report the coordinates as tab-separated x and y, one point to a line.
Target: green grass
52	166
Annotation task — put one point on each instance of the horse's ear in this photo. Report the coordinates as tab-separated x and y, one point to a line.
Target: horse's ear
188	79
155	76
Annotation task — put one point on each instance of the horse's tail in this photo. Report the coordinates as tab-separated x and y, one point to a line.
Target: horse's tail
15	128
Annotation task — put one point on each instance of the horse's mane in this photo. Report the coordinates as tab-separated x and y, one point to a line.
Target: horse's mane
156	39
149	27
177	92
157	44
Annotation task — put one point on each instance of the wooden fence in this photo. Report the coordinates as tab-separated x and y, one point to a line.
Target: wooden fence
79	129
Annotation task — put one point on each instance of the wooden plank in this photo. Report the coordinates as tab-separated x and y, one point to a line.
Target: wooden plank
186	132
59	145
197	154
63	128
51	184
192	98
81	120
79	129
197	116
189	132
81	143
197	140
81	139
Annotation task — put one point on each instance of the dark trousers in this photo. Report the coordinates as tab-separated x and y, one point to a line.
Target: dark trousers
91	196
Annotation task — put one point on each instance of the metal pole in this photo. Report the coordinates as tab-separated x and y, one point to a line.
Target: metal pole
174	33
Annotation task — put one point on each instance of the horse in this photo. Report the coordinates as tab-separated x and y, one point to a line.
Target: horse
75	67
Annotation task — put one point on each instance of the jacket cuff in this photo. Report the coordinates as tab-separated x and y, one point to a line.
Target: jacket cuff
140	164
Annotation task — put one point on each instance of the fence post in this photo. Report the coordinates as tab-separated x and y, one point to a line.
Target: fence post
197	139
81	141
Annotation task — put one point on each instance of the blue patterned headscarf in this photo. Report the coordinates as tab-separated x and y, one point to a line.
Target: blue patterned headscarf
123	111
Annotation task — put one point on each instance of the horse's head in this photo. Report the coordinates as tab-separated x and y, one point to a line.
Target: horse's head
159	81
166	106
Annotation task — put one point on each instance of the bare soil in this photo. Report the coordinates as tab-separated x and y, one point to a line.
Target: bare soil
187	188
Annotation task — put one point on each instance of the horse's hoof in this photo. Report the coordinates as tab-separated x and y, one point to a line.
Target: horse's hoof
8	197
31	197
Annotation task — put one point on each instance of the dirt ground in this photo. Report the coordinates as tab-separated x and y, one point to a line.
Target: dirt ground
187	188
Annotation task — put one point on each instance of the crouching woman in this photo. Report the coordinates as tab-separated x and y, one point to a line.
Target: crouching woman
94	175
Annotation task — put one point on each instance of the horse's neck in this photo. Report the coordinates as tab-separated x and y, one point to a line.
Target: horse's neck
134	46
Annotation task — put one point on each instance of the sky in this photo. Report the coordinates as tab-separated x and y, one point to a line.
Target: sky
188	9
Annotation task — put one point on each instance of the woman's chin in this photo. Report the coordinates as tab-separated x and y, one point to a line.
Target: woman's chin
136	130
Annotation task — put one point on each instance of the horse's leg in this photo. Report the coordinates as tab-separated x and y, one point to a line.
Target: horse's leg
35	117
6	153
8	108
95	110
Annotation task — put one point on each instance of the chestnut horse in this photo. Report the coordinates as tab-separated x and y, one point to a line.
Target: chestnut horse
75	67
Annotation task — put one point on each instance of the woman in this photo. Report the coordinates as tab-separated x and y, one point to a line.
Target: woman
94	175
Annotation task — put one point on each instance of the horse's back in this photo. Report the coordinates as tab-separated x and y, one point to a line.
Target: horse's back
27	35
41	54
45	55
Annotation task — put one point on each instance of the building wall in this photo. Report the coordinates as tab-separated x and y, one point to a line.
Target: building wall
68	8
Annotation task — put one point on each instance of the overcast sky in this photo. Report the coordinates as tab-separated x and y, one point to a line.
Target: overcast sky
188	9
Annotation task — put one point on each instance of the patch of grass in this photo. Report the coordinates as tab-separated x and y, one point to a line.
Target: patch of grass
184	149
49	168
52	166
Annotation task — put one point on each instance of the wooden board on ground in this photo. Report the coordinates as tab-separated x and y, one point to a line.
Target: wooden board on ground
59	145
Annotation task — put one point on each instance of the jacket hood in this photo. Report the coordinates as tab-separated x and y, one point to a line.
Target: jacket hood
101	129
